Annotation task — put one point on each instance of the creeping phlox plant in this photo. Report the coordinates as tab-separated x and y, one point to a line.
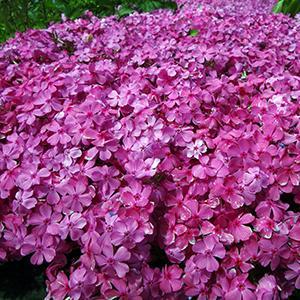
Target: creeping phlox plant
156	156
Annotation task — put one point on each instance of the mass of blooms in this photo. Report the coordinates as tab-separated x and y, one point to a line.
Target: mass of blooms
156	156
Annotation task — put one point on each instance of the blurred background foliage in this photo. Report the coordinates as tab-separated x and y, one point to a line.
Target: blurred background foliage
19	15
20	280
289	7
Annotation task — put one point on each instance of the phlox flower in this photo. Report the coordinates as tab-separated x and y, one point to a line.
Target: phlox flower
207	251
111	260
196	149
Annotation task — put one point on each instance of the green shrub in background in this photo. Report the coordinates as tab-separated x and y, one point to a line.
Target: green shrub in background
289	7
19	15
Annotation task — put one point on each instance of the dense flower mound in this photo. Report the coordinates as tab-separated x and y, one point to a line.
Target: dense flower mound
157	156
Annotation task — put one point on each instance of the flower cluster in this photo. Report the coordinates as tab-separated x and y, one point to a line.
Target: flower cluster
140	161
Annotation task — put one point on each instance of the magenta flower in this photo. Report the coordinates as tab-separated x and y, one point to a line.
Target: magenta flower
140	168
42	248
198	212
295	232
31	176
59	288
25	199
241	288
269	208
230	193
196	149
207	250
106	176
156	156
273	251
77	196
239	260
151	278
170	280
60	134
268	288
114	261
104	143
238	228
124	291
136	195
289	173
255	180
294	273
72	225
8	155
44	219
127	233
81	282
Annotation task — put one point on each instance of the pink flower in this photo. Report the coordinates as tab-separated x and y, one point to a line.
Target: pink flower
136	195
81	283
72	225
266	227
77	196
289	173
241	289
196	149
255	180
170	280
104	143
230	193
25	199
42	248
239	230
239	260
198	212
31	176
267	288
60	134
295	232
8	155
124	290
59	288
44	219
106	176
115	261
273	251
127	233
269	208
140	168
294	273
207	250
151	278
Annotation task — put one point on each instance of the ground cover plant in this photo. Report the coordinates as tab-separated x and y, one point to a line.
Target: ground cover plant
155	156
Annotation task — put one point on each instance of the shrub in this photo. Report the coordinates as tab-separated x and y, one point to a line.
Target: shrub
156	156
291	7
19	15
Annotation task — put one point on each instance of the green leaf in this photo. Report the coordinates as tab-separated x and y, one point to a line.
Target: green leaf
293	8
289	7
244	75
124	11
150	5
193	32
278	7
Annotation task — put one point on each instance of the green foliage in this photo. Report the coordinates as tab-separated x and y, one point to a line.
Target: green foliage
193	32
19	15
289	7
20	280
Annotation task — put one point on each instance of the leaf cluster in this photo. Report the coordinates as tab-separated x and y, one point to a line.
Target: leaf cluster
19	15
289	7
